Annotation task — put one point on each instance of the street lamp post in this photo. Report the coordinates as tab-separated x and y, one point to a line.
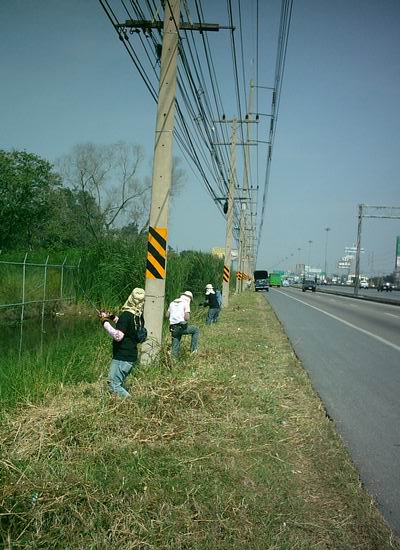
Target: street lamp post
309	257
327	229
299	260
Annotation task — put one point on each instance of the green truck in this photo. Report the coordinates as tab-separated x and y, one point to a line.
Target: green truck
275	278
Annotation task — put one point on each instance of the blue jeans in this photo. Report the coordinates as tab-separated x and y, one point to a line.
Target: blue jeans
119	370
176	339
212	316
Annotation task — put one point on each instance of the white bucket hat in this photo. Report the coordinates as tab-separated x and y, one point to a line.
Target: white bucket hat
188	294
209	286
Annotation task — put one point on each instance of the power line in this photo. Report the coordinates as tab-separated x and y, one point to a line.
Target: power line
283	37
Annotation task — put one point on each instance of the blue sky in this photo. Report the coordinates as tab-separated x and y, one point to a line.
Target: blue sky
66	79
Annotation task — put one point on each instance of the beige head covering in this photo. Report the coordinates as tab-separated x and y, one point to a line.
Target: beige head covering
188	294
135	302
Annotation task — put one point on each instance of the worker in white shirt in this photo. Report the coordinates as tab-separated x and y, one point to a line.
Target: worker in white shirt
178	314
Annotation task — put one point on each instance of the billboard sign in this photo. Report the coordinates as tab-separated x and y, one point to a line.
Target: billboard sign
344	265
352	250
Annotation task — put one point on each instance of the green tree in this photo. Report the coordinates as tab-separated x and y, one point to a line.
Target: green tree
69	225
26	184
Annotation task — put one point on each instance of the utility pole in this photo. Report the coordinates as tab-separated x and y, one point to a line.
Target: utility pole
229	218
240	254
245	229
161	183
162	165
230	200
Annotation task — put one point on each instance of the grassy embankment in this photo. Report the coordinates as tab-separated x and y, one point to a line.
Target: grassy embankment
228	449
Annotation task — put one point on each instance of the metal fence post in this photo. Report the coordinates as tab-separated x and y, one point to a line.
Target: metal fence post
62	278
44	290
23	287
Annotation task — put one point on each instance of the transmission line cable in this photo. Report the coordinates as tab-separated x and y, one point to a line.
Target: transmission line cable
283	37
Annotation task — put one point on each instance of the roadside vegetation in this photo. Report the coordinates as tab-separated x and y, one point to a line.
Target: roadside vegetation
106	277
230	448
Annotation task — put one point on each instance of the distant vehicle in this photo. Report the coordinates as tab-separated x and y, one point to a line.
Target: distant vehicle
309	284
261	280
364	284
285	282
385	286
275	279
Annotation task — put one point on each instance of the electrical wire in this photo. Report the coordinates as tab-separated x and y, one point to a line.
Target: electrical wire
283	37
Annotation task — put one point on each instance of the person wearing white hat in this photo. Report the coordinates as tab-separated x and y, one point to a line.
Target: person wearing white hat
178	314
213	304
129	331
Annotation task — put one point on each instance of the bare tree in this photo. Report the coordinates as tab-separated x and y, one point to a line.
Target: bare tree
109	175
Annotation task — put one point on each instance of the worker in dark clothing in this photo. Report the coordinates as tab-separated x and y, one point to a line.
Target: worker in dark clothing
129	331
213	304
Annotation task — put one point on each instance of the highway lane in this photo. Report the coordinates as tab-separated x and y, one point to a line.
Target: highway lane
380	319
351	350
370	292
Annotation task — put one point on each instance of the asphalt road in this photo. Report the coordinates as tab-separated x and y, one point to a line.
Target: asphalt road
351	350
369	292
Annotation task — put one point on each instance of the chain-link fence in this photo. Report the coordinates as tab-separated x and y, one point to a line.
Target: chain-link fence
29	289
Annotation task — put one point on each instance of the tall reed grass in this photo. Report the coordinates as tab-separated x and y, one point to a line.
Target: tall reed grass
110	271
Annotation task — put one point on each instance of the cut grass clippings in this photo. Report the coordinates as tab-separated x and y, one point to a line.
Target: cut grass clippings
228	449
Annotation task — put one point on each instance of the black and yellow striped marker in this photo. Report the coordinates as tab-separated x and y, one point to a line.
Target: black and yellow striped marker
238	275
227	274
156	253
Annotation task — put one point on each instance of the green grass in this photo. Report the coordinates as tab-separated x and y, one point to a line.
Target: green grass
227	449
34	376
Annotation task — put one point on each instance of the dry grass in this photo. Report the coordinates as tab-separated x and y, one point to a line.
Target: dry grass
228	449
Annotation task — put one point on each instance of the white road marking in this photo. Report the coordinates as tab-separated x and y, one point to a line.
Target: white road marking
392	315
382	340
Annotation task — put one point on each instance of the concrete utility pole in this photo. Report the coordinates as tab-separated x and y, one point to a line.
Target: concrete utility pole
239	274
162	165
231	199
161	183
229	217
245	229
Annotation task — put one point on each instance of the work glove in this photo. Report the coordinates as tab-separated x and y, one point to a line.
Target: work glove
106	316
